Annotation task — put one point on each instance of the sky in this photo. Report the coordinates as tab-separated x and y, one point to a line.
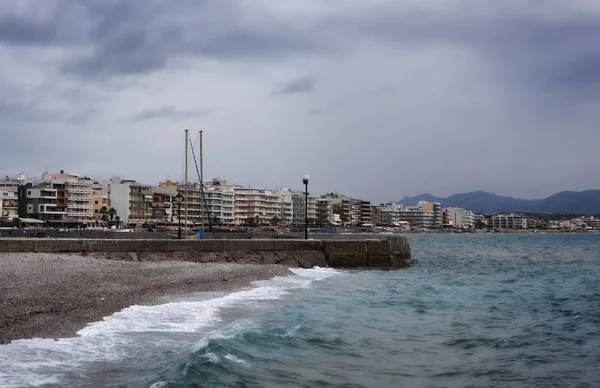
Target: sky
377	99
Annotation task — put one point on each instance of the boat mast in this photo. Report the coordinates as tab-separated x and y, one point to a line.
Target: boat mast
202	180
185	187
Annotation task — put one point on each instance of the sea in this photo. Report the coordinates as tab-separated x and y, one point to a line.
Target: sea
474	310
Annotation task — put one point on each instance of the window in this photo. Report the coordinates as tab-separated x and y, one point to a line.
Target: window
95	202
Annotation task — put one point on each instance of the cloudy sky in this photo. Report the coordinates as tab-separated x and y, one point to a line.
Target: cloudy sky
378	99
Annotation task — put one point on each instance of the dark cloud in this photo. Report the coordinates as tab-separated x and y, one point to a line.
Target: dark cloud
461	78
557	53
301	85
169	112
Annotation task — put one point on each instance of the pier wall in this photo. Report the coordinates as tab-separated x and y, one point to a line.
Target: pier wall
393	252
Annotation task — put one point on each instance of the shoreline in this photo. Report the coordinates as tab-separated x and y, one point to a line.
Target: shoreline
45	295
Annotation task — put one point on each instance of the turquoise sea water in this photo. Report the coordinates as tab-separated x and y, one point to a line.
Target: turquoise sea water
476	310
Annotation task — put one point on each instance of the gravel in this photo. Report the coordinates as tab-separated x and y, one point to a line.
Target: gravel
55	295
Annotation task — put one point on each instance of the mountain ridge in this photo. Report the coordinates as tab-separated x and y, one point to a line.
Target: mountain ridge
577	202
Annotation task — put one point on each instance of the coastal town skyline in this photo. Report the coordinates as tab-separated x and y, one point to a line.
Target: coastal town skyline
357	94
294	187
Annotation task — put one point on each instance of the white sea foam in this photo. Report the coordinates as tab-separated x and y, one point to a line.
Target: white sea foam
233	358
141	331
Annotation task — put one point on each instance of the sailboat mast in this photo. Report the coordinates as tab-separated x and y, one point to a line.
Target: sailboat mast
185	187
202	180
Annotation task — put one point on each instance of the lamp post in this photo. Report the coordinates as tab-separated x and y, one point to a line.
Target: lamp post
179	198
305	181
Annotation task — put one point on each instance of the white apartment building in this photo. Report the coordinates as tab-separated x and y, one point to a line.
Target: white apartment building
388	214
460	218
286	207
220	206
12	183
9	204
258	204
422	215
131	200
507	221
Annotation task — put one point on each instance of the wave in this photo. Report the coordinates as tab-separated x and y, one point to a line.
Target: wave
142	335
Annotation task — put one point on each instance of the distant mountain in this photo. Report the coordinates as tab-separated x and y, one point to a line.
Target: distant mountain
580	202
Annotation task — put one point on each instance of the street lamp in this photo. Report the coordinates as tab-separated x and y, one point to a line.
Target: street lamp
179	198
305	181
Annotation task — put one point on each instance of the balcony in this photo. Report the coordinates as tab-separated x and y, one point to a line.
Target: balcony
77	206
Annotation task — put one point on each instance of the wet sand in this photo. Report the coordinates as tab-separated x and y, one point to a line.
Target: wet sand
55	295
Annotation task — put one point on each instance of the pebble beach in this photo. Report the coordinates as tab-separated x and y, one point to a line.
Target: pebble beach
55	295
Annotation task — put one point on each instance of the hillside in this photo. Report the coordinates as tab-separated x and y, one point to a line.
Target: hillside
580	202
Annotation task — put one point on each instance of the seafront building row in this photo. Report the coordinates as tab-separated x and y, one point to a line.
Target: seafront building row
69	199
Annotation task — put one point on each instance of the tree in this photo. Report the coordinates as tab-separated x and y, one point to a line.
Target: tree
17	223
275	221
118	221
251	221
112	213
104	214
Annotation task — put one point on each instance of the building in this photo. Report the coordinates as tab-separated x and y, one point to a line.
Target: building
422	215
507	221
99	200
286	207
590	223
300	211
365	213
131	200
215	201
459	218
78	192
12	183
162	208
219	206
350	211
388	215
256	206
329	209
46	201
9	204
324	211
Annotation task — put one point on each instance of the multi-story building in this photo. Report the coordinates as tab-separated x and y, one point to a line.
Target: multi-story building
350	211
131	200
365	213
423	215
591	223
220	205
329	209
507	221
256	206
100	200
79	195
9	204
216	201
300	210
324	210
388	215
459	218
12	183
162	208
44	201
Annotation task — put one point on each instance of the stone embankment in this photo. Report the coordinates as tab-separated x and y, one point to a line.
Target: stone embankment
394	252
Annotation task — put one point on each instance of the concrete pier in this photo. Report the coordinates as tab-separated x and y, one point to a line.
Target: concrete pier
394	252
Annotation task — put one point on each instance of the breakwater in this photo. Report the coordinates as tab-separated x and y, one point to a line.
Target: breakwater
394	252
